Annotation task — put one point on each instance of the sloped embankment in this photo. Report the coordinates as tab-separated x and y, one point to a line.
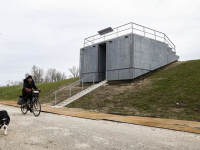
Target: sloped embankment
170	92
46	96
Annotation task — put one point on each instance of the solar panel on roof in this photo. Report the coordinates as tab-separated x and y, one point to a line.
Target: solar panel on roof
105	31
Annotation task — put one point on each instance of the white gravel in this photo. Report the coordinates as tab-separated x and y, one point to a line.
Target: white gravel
50	131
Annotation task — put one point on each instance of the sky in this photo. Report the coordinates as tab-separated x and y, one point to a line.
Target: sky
50	33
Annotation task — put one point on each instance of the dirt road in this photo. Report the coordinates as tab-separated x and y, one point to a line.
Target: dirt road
50	131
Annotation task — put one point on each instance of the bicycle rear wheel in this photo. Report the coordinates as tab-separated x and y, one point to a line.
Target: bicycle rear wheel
36	107
24	108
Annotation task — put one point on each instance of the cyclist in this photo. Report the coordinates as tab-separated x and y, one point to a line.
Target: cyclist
27	88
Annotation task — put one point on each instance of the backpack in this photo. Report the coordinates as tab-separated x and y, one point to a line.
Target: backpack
20	100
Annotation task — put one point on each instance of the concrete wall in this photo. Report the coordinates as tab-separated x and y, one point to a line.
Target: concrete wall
91	60
89	63
127	57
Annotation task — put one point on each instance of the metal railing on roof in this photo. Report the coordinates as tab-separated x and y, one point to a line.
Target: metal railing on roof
130	28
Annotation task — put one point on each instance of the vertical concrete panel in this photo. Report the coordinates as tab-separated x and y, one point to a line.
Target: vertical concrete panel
137	54
86	63
138	57
89	63
125	52
146	49
155	54
142	52
113	54
138	38
81	65
155	51
170	55
94	58
174	56
163	54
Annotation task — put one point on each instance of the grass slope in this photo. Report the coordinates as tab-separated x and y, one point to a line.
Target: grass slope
171	92
45	96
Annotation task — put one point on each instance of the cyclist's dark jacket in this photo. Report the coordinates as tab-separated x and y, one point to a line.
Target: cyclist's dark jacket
28	85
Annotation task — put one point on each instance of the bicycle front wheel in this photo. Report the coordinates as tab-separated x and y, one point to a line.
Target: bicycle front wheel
36	108
24	108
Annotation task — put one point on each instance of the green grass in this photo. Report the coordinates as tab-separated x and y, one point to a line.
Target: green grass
155	94
46	94
158	98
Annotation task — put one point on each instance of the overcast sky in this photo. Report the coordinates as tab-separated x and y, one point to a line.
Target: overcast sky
50	33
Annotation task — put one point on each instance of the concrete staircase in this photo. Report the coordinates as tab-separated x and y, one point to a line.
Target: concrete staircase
82	93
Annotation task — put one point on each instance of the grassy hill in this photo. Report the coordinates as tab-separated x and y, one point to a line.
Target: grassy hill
46	96
170	92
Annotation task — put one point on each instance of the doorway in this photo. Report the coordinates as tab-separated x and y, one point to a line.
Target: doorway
102	61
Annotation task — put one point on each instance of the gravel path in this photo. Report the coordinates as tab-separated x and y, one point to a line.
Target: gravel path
50	131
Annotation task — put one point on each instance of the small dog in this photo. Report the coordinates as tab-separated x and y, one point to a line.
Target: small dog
4	120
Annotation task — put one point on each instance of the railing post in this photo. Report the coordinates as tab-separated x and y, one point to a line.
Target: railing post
93	39
155	34
93	79
55	98
164	38
132	27
117	32
82	85
144	31
70	91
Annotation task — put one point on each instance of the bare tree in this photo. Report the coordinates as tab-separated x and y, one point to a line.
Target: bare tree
51	75
40	74
74	71
63	77
58	76
37	74
34	73
46	78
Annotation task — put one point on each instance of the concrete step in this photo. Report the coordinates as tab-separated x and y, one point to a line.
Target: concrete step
82	93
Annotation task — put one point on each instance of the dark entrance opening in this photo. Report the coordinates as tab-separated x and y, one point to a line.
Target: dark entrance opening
102	61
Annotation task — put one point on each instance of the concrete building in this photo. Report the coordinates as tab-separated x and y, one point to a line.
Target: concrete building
125	56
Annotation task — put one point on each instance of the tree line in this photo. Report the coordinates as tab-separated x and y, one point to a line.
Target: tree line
51	75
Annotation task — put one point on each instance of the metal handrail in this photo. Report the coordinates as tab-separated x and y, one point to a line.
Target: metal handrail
71	85
164	37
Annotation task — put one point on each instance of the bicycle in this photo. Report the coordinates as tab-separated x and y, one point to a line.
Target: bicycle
35	105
